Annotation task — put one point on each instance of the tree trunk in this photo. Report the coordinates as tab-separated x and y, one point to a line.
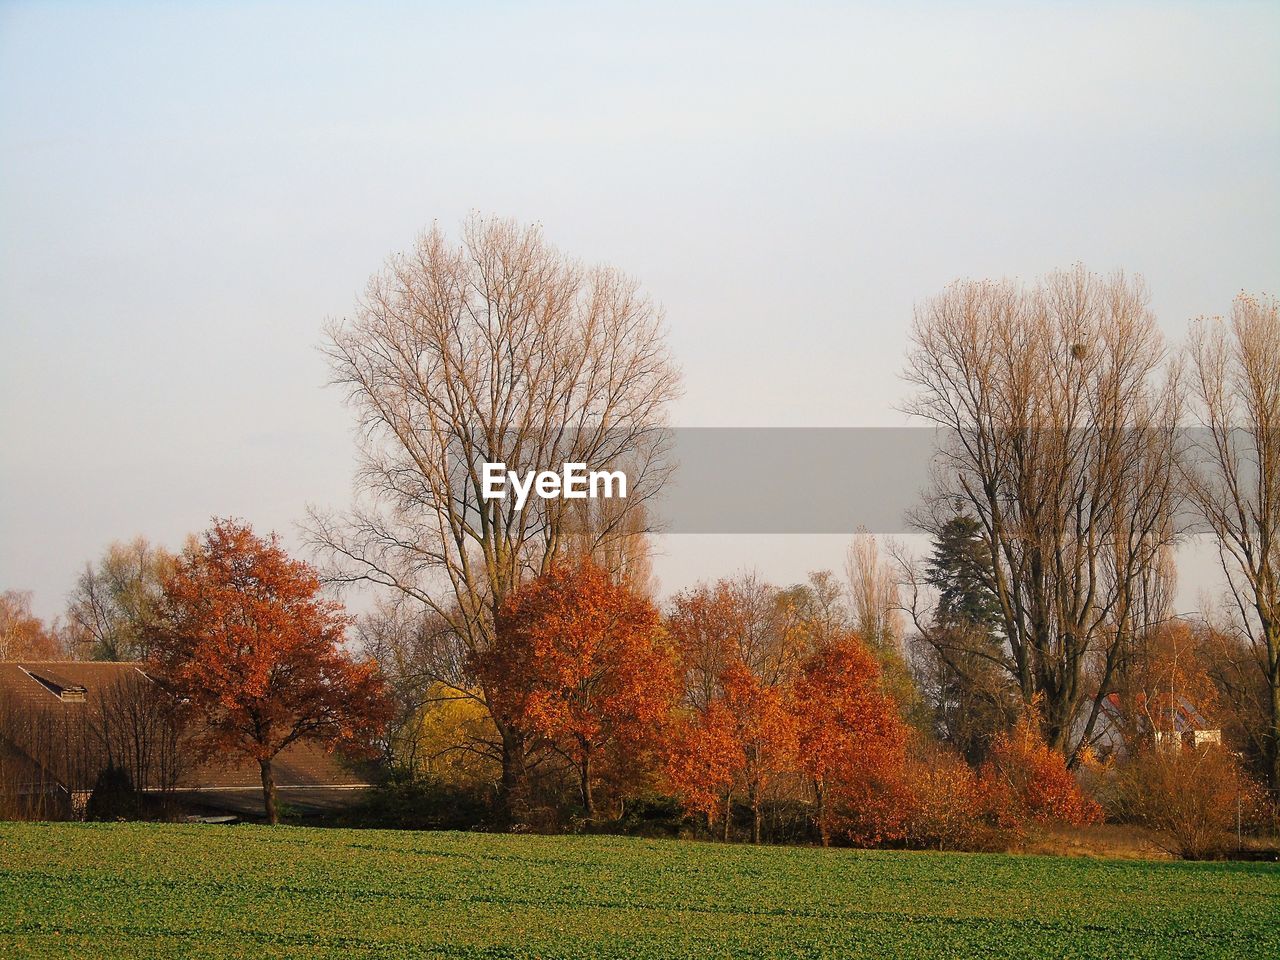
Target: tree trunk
1273	770
584	773
755	814
728	814
269	791
820	814
512	773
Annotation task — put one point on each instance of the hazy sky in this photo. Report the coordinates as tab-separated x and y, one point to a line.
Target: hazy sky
187	192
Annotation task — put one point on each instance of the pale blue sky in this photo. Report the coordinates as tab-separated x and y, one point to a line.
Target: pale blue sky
188	191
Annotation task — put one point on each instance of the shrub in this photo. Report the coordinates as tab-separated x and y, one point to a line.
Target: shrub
1192	799
948	807
421	803
1028	782
113	796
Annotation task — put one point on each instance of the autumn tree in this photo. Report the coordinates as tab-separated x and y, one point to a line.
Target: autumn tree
1059	438
118	599
1028	781
764	728
876	616
701	759
435	729
249	642
1233	474
706	625
23	635
741	620
1170	670
850	735
496	349
580	660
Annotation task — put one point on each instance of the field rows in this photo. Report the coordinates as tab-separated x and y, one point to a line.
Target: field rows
152	890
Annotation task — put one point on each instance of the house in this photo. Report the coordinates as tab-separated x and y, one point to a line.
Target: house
63	723
1183	726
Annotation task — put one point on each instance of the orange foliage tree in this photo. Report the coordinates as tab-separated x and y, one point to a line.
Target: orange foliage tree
247	640
743	740
764	729
580	660
702	758
851	740
23	635
1029	781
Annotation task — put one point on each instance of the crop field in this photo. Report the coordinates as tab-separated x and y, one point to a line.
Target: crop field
142	890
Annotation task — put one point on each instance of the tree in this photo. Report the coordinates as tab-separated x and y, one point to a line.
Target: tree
850	735
580	660
1243	696
1060	441
23	635
500	349
701	758
117	600
1233	475
1168	671
965	665
764	729
745	621
960	569
1029	781
876	607
247	640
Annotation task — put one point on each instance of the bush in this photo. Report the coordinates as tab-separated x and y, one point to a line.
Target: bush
1192	799
653	816
113	796
422	803
948	807
1029	783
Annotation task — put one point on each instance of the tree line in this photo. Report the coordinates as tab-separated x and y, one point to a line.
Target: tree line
1076	451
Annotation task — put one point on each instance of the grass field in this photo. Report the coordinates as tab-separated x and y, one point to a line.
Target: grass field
144	890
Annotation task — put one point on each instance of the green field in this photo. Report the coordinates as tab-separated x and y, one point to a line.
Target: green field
247	891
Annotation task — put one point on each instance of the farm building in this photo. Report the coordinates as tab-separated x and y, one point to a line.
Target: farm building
63	724
1183	726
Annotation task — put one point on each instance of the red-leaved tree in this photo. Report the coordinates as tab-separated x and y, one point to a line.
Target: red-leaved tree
255	650
1028	781
742	741
703	755
765	730
851	737
580	660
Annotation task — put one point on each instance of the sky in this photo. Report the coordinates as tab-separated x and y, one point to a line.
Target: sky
188	192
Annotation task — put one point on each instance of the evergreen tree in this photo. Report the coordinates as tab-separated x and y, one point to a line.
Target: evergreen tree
974	697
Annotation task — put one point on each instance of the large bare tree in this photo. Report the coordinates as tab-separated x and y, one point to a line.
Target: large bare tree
1234	474
1058	438
495	349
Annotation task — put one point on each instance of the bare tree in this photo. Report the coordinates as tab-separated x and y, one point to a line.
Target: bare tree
1059	439
499	349
117	599
138	726
873	589
1233	474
